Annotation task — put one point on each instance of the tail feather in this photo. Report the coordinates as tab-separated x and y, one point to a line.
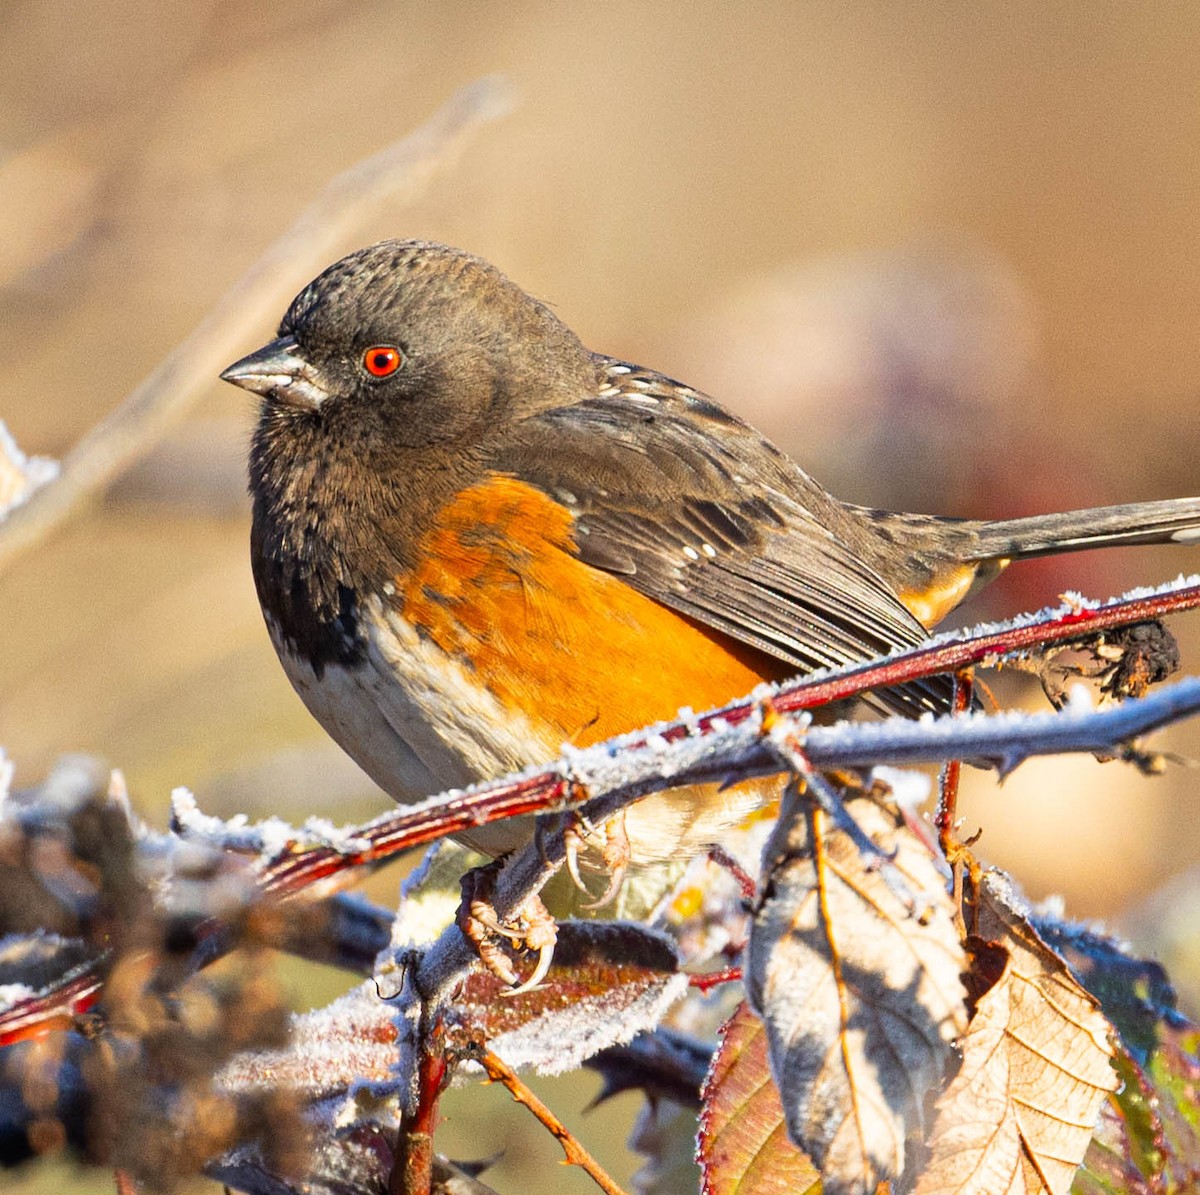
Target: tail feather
1175	520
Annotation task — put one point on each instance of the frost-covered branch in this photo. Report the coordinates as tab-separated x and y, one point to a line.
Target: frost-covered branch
621	768
614	777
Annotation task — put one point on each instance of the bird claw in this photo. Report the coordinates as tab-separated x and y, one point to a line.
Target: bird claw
530	929
540	935
615	855
613	844
578	833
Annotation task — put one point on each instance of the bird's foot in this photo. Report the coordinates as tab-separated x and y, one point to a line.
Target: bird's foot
531	929
612	843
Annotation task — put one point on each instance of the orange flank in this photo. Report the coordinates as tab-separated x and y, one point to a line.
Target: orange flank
578	651
949	589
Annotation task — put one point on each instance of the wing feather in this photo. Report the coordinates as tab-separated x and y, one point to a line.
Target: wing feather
699	512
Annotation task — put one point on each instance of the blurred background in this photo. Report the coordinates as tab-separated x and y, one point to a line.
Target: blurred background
947	255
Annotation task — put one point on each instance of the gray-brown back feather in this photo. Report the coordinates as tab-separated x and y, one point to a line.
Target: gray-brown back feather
696	510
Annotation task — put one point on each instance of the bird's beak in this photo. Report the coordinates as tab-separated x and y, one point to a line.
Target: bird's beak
278	371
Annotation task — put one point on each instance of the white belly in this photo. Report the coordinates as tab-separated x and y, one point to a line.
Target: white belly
416	721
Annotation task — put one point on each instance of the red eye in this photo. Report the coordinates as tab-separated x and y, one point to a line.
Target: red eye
382	360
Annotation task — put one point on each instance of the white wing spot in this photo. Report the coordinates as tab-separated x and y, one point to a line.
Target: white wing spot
691	553
708	550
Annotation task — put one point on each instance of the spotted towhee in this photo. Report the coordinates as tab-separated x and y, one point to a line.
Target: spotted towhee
474	539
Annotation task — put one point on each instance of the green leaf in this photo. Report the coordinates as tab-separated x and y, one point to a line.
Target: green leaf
1149	1136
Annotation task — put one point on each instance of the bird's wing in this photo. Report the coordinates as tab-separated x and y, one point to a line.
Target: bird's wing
697	510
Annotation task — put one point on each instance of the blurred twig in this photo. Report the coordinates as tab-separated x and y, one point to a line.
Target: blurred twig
163	397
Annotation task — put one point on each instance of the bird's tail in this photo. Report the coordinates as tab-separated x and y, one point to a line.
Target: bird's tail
1176	520
934	564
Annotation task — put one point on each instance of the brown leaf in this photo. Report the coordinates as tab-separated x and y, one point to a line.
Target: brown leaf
861	996
1018	1116
608	982
743	1145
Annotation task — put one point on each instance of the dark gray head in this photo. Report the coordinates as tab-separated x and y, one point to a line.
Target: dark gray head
434	342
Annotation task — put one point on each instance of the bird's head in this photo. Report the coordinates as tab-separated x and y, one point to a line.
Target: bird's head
432	342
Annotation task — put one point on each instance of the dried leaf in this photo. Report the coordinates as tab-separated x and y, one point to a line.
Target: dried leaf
743	1145
1135	993
609	982
861	996
1018	1116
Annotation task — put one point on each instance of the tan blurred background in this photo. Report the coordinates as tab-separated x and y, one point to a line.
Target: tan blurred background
947	254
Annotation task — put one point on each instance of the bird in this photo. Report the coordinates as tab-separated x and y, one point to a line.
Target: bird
475	540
